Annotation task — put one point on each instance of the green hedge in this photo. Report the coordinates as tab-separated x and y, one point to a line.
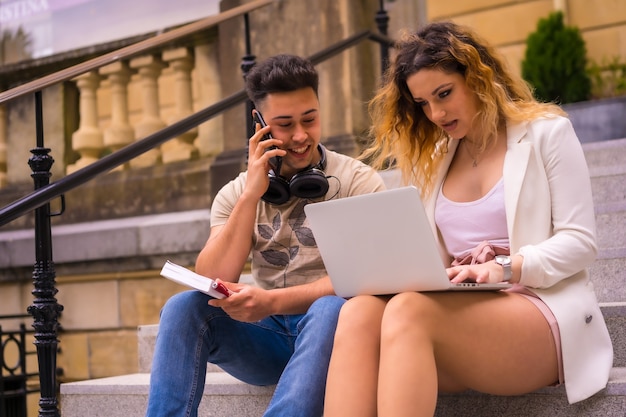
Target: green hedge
555	62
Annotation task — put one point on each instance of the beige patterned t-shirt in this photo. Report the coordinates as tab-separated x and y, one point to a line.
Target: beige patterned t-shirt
284	252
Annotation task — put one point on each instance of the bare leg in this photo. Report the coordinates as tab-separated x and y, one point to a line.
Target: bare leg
353	372
497	343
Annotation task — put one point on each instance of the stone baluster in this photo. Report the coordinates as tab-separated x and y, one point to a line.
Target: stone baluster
149	69
3	146
181	148
87	140
119	133
210	141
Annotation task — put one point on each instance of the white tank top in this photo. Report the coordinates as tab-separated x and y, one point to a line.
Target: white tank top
465	225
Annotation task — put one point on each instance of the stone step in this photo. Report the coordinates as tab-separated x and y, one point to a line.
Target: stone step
614	314
127	396
547	402
608	274
607	169
608	184
615	317
605	153
610	221
225	396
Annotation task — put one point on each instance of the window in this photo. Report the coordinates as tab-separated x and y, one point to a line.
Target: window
40	28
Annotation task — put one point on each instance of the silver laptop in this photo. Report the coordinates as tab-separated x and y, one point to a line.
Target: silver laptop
381	243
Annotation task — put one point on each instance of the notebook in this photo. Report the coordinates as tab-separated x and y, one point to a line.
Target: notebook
381	243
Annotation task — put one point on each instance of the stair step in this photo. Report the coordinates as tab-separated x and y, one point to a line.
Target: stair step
608	274
608	183
610	219
127	396
547	402
615	317
614	314
225	396
605	153
607	169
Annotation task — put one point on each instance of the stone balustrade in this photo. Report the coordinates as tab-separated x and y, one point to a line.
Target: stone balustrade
126	101
107	130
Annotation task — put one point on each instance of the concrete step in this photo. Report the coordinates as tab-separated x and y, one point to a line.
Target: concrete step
224	396
615	317
608	183
547	402
608	274
610	221
614	314
607	169
127	396
605	153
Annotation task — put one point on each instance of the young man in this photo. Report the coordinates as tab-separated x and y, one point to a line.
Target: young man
281	330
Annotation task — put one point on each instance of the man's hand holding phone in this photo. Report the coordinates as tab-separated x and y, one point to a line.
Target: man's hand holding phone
274	161
263	154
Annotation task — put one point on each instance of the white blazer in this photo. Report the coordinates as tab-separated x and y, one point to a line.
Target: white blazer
551	223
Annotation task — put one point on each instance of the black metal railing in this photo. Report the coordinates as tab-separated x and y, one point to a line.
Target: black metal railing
48	192
45	308
14	375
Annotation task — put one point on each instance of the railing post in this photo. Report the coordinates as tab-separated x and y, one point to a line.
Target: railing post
149	68
248	61
4	179
119	133
181	148
88	140
45	309
382	22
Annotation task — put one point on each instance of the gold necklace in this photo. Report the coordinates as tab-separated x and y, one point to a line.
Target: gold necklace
474	158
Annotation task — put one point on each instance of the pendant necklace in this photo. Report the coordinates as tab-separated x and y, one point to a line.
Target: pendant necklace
474	159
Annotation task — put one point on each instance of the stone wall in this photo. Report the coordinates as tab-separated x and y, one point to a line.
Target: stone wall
506	24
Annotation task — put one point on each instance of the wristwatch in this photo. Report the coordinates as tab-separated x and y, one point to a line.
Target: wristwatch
505	262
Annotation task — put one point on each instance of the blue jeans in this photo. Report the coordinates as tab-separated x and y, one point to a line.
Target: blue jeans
292	351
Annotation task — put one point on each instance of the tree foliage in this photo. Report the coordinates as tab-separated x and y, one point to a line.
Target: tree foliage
555	62
15	46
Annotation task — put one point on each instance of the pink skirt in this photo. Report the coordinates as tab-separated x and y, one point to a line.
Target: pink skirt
547	313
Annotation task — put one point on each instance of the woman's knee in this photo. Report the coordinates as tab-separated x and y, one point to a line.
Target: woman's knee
362	315
411	311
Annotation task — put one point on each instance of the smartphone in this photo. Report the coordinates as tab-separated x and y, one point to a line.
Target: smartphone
275	162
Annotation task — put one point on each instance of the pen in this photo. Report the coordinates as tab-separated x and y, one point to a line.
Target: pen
221	288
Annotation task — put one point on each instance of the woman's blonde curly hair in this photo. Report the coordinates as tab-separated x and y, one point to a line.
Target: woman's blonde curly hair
402	136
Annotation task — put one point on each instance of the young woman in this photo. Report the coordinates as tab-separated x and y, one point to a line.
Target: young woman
499	173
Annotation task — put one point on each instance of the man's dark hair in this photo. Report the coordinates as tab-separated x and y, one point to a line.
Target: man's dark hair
278	74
